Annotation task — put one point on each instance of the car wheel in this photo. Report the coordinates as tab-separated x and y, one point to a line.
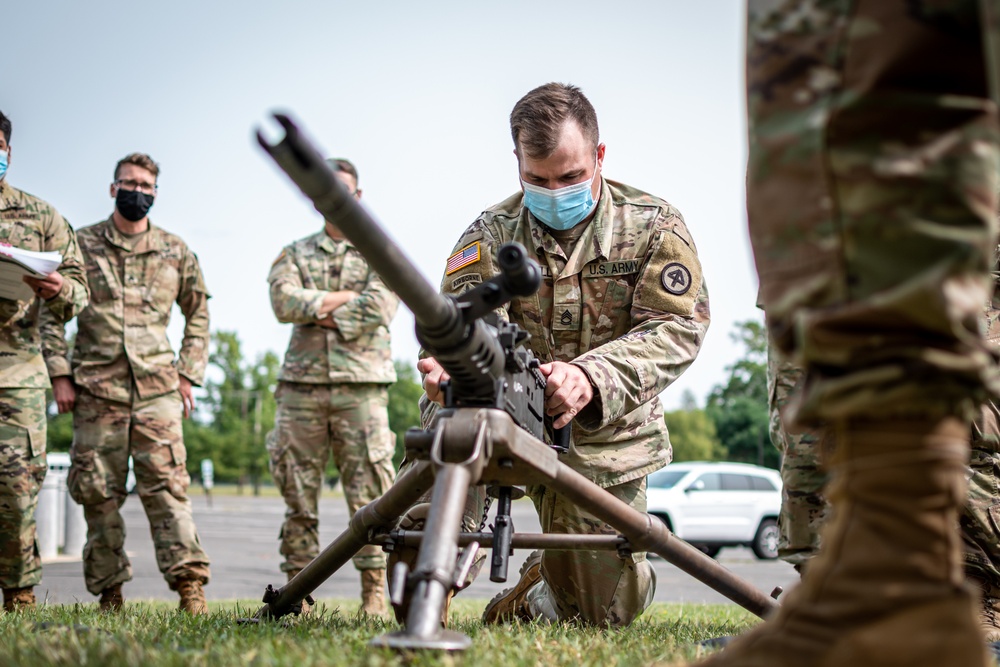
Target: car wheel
709	551
765	542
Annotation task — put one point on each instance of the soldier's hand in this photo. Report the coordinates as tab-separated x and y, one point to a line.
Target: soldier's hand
328	323
64	393
434	375
46	287
567	391
187	396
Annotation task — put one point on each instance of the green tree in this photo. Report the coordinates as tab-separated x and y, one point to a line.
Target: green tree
738	408
692	434
236	413
404	408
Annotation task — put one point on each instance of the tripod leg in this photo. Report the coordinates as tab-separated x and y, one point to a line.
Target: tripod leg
434	575
646	533
381	512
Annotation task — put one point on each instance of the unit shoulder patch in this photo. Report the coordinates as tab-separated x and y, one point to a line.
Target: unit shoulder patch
676	278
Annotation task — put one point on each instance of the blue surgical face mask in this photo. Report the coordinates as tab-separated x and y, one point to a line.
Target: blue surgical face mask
563	208
4	159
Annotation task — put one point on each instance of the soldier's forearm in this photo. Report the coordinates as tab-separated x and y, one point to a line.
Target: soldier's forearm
296	305
633	369
71	299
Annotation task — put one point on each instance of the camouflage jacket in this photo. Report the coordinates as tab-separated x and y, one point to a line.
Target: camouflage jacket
29	223
629	307
358	349
122	336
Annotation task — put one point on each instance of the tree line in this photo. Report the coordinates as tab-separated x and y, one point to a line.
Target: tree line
236	411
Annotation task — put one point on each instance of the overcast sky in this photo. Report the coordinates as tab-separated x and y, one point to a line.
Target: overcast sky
417	94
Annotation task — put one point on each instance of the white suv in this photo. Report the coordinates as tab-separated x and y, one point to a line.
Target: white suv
715	505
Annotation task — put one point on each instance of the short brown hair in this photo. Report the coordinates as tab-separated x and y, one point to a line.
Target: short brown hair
139	160
341	164
538	117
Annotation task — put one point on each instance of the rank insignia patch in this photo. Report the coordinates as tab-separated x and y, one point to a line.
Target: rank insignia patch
676	278
468	255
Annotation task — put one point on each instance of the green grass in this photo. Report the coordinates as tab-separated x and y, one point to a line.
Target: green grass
153	633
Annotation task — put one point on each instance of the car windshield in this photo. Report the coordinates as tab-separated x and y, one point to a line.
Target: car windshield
665	479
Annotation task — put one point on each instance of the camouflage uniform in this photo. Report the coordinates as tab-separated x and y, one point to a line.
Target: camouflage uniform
803	506
127	401
332	392
29	223
872	197
629	307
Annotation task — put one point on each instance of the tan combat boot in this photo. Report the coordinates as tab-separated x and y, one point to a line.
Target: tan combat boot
192	597
18	599
512	603
112	599
888	586
373	592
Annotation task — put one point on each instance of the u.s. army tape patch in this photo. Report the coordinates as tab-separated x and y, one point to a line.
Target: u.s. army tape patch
676	278
470	254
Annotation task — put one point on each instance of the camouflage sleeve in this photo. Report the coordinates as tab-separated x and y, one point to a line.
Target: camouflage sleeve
193	301
291	302
55	349
375	307
670	315
74	294
462	279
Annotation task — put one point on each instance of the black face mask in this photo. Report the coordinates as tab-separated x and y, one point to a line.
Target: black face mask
132	204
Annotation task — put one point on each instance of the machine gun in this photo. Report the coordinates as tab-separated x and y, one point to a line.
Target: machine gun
489	433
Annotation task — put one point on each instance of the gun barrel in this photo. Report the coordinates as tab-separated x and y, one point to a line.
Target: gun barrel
466	350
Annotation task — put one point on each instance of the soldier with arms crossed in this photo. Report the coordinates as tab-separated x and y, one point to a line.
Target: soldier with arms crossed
127	391
332	390
31	224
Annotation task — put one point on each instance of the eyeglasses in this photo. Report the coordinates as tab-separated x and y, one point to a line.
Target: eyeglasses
145	188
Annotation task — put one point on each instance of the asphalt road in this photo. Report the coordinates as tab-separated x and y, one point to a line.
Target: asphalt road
240	534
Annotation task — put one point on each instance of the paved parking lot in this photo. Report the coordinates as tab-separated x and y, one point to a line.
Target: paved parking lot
240	534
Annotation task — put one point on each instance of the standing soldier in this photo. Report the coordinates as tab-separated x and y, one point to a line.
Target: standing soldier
333	390
872	201
127	391
28	223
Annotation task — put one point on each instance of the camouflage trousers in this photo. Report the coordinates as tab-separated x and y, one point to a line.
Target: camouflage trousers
594	587
803	506
877	292
22	470
105	434
980	520
313	421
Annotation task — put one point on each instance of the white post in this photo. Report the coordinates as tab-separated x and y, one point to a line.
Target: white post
47	518
76	529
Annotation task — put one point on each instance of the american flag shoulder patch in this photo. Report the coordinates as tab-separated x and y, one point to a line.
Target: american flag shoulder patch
470	254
